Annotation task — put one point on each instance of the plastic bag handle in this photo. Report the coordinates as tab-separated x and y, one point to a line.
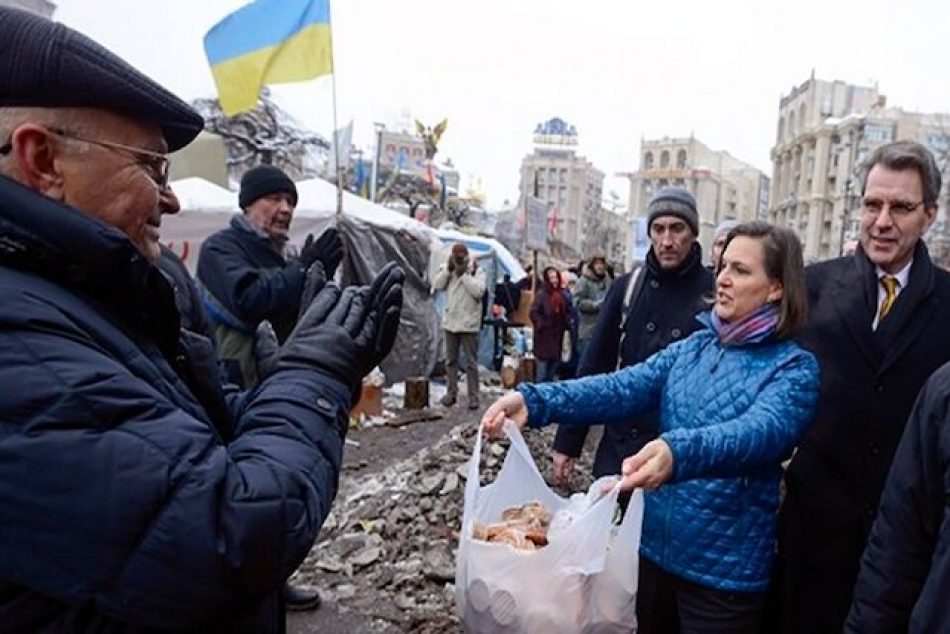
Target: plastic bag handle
519	446
472	481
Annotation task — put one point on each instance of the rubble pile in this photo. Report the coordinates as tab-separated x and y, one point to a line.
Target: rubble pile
387	550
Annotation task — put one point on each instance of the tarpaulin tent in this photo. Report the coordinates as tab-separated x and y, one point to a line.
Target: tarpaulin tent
373	235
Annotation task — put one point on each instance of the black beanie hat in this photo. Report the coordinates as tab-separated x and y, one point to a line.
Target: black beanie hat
263	180
673	201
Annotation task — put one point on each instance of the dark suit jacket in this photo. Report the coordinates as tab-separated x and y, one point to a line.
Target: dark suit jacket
869	381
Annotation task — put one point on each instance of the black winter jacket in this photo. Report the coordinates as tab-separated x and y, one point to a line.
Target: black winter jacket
664	311
123	508
904	584
246	276
869	382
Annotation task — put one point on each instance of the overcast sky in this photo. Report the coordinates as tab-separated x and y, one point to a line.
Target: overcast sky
618	70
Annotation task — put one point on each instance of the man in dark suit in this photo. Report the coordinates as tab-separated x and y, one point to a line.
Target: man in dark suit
877	322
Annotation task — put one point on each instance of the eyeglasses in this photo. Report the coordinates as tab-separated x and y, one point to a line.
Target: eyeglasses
156	165
897	208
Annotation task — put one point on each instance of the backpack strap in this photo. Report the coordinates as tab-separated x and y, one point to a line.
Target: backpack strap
634	284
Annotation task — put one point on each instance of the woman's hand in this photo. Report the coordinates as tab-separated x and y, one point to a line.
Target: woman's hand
512	406
648	468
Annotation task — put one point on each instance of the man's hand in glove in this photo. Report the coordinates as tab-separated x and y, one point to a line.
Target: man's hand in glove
314	282
327	249
266	350
386	296
266	345
345	334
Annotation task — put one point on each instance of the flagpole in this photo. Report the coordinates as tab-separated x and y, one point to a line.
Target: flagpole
336	129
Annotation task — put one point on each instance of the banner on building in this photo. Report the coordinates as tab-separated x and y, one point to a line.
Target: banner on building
536	224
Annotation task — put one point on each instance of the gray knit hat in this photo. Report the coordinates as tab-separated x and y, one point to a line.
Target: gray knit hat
673	201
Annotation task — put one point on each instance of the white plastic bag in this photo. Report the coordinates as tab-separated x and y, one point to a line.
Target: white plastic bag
584	581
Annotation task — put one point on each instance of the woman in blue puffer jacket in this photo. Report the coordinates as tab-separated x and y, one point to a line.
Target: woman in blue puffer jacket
734	400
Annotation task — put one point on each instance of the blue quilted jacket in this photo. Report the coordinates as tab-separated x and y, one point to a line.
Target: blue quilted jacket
730	416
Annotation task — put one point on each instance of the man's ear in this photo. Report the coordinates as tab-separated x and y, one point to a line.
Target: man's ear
37	157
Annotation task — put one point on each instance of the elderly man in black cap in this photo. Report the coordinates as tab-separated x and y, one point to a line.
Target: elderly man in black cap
247	274
135	494
644	311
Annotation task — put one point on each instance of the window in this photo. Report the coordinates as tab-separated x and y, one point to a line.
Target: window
681	159
664	159
648	161
781	129
878	132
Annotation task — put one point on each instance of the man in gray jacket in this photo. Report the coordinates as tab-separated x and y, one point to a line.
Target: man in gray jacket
464	286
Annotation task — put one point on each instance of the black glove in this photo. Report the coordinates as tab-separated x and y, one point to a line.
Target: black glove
336	336
314	282
451	264
266	350
327	249
266	345
386	297
345	334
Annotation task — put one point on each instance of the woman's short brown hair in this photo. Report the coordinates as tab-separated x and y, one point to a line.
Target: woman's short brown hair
783	262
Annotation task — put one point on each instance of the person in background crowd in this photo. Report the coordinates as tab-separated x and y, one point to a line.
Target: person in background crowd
135	495
719	241
247	274
904	580
569	350
591	292
644	311
877	323
734	399
550	318
849	247
464	284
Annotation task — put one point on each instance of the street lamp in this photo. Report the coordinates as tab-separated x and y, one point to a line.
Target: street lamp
374	182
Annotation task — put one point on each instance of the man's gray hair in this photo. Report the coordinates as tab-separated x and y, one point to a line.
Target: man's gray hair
908	155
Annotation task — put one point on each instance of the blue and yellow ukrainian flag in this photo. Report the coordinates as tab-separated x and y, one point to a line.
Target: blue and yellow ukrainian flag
268	42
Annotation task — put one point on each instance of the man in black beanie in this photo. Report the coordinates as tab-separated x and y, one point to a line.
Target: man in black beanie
247	274
135	493
644	311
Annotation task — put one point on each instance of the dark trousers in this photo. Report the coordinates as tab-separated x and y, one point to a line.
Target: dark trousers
460	354
667	604
545	370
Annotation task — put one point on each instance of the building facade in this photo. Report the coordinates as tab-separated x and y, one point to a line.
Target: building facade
570	184
826	131
725	188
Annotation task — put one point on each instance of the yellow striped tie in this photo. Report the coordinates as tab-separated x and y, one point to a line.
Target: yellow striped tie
890	294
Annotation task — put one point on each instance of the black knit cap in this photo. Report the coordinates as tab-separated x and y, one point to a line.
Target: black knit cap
673	201
263	180
48	65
